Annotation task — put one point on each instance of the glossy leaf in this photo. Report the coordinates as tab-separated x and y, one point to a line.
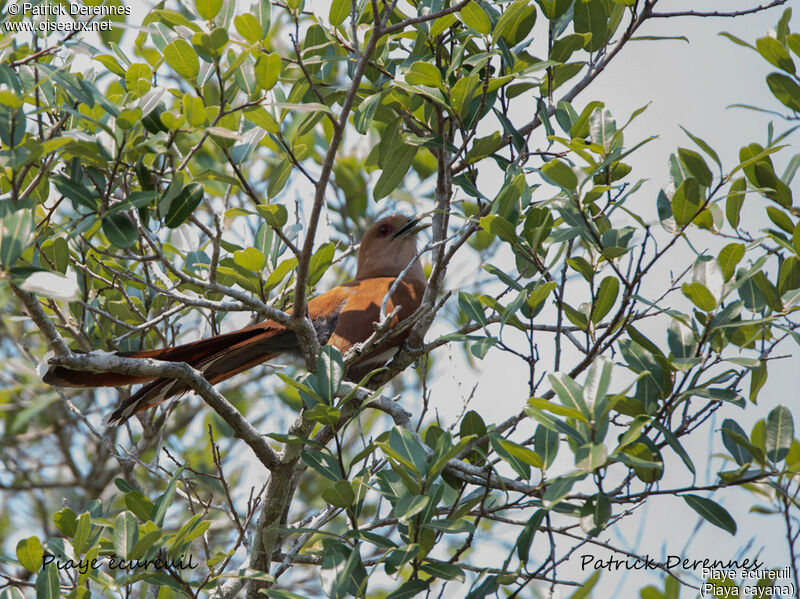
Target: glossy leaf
29	554
184	205
340	494
182	58
605	298
779	433
711	511
395	171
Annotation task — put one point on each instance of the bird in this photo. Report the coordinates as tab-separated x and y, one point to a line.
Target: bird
342	317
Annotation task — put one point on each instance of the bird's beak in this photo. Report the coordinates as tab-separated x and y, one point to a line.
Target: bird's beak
411	228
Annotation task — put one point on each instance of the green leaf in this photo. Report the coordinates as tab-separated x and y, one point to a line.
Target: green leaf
362	118
545	443
707	272
711	511
646	462
443	570
323	462
47	583
520	452
562	49
553	9
606	297
261	117
248	27
409	506
539	293
191	529
779	433
758	376
82	533
497	225
733	204
12	593
29	554
729	257
578	317
340	494
472	424
184	205
394	171
516	23
120	230
785	89
182	58
499	445
267	70
410	588
590	457
580	126
15	234
442	24
56	251
165	499
126	533
338	11
319	262
66	522
208	9
139	504
591	16
737	40
326	415
769	290
681	340
279	273
703	146
686	202
526	536
775	52
249	259
145	543
424	73
473	15
138	78
483	146
570	393
281	594
696	166
736	442
558	173
275	215
78	194
407	446
471	307
673	442
539	403
329	373
781	219
559	488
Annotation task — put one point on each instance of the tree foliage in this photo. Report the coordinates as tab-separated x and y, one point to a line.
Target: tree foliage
170	188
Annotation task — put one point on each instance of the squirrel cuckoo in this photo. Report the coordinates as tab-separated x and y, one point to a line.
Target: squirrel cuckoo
342	317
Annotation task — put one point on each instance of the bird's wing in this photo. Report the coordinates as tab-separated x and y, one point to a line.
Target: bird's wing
362	311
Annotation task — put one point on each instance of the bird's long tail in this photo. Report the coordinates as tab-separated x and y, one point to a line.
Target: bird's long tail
218	357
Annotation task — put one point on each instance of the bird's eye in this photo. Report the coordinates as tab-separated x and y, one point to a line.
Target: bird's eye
384	230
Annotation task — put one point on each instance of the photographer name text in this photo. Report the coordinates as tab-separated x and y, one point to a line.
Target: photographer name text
720	575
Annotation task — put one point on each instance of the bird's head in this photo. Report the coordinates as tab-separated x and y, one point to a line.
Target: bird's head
388	247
